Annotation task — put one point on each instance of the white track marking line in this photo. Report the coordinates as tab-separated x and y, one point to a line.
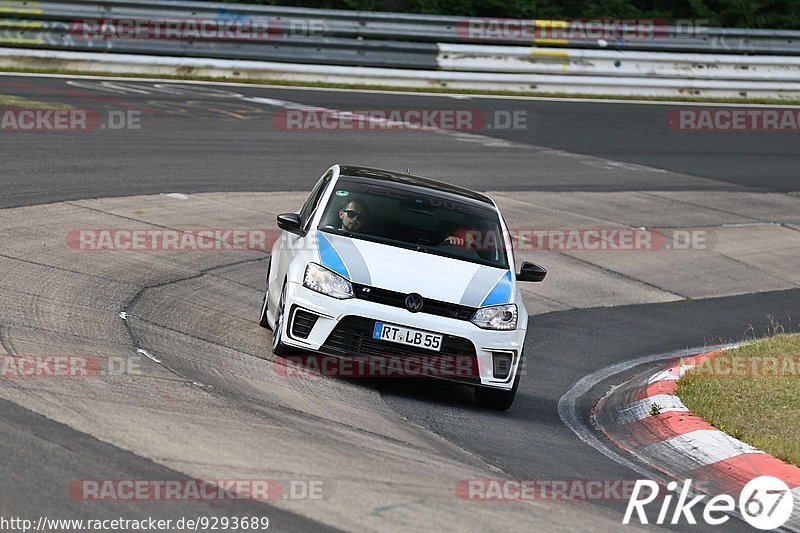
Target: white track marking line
403	93
570	415
702	447
177	196
485	140
148	355
640	409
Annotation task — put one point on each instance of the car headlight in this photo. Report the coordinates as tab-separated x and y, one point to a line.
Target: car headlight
502	317
320	279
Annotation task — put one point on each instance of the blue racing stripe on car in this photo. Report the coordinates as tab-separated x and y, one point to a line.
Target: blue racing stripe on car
330	257
352	258
478	286
501	293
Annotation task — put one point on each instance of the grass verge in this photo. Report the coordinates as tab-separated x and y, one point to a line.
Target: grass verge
422	90
752	393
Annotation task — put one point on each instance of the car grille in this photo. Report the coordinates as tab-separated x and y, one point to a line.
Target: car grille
352	336
398	299
303	323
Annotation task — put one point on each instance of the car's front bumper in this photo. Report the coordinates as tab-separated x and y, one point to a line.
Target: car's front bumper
477	369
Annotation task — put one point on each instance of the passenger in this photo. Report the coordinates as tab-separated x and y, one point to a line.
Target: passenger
465	241
460	237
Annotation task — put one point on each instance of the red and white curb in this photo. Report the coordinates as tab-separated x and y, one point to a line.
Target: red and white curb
681	444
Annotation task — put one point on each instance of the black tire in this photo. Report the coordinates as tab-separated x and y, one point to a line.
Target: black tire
278	348
499	400
264	322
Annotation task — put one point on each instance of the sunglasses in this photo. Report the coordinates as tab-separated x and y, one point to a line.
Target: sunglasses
355	215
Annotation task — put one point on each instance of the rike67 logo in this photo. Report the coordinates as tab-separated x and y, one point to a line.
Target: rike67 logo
765	503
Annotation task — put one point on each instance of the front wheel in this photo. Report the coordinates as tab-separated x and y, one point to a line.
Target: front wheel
499	400
264	322
278	348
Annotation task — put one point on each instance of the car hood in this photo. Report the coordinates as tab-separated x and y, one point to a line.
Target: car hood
407	271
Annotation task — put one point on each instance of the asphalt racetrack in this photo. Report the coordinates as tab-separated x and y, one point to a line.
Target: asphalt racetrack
208	403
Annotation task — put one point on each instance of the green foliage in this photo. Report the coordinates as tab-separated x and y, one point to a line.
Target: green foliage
775	14
757	400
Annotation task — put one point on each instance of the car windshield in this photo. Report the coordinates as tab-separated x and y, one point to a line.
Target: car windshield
417	220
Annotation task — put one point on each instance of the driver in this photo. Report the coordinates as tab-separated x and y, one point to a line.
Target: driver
353	215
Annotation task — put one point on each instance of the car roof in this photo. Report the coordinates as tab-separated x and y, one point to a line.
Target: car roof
353	171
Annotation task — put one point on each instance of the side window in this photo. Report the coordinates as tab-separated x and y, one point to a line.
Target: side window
313	199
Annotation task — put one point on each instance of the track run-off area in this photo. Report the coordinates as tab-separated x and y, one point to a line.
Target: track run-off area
705	233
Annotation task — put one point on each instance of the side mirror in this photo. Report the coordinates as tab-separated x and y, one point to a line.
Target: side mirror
291	222
531	272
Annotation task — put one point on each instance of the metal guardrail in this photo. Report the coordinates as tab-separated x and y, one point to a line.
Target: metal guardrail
577	62
59	35
397	28
431	50
20	58
428	28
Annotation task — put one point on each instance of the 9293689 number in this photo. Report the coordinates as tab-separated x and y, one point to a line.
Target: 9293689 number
232	523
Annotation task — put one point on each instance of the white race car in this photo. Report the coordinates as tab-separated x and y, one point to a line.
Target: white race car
393	267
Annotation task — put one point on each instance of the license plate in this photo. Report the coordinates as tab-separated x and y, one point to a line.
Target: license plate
410	337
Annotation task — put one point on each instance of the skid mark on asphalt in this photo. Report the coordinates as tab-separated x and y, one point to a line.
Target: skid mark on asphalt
702	206
18	101
378	511
136	341
484	140
5	340
622	275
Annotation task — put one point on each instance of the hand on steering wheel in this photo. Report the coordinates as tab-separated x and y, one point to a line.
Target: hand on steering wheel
455	241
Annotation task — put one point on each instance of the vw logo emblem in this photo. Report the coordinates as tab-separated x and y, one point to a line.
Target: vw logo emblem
414	302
